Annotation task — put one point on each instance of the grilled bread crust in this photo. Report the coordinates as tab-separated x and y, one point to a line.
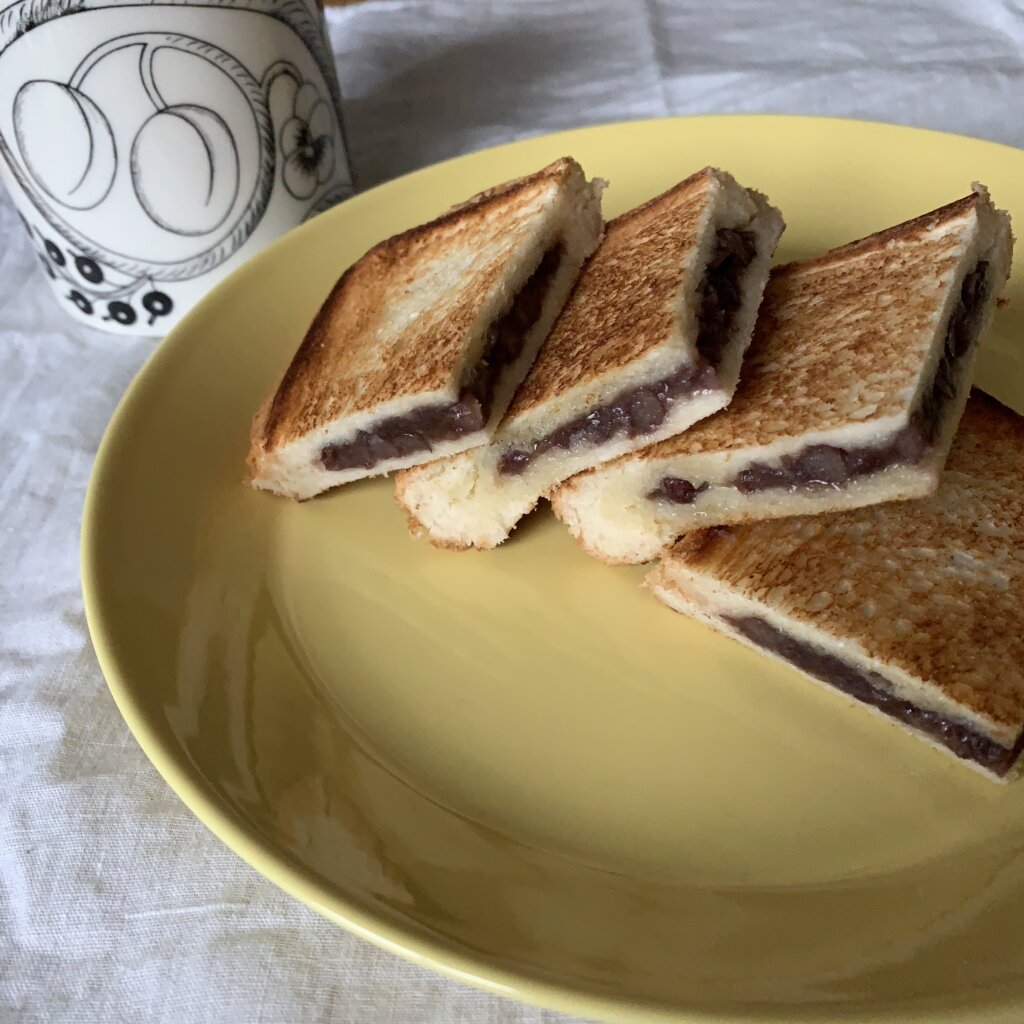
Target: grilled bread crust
844	346
631	320
926	593
404	323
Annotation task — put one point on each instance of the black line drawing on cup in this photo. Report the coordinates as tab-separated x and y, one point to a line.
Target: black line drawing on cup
251	211
306	139
88	188
120	299
300	16
301	150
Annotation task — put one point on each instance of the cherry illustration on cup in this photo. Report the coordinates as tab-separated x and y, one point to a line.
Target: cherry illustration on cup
157	304
89	269
66	143
80	301
121	312
148	156
54	252
193	195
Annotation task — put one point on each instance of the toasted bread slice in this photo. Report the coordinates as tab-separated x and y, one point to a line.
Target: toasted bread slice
422	343
856	378
650	341
914	608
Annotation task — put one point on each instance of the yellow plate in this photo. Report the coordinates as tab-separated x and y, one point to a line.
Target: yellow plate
515	766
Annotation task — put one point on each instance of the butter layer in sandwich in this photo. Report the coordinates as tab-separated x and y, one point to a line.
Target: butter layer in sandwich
650	342
421	344
860	366
915	608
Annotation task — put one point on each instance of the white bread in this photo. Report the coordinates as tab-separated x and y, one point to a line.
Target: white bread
406	325
921	600
633	320
845	349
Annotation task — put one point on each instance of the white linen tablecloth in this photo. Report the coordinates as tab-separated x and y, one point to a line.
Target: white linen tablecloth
115	904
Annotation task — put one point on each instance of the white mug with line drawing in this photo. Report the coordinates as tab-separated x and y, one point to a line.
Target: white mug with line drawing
151	148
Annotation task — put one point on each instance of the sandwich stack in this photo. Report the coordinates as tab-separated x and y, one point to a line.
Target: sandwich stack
787	443
857	376
650	342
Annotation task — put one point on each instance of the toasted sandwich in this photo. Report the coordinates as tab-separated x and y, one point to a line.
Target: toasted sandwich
420	346
856	378
650	342
914	608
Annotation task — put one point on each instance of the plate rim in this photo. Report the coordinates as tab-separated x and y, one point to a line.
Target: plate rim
438	954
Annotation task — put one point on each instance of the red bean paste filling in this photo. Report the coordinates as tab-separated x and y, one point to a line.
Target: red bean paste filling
871	688
398	436
638	411
825	465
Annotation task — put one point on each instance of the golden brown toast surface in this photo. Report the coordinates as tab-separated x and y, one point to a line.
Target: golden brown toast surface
627	299
840	339
394	324
933	587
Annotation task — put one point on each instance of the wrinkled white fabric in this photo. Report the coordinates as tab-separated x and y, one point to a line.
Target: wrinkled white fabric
115	904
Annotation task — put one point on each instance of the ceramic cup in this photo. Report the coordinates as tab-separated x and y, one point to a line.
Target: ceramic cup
152	148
